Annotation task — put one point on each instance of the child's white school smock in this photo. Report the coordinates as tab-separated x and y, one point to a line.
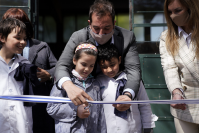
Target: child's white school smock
140	116
14	116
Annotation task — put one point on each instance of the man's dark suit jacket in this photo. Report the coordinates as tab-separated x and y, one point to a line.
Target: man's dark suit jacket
125	42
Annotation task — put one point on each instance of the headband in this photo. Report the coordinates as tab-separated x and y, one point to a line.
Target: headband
90	46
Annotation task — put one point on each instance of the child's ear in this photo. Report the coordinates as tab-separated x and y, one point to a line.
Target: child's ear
2	39
119	59
74	61
89	22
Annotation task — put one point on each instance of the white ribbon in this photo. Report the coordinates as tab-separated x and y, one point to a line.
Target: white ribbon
50	99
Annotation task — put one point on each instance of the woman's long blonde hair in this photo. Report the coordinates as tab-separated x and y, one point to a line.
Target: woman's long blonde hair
172	34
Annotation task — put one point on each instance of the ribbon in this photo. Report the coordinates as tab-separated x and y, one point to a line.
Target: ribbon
50	99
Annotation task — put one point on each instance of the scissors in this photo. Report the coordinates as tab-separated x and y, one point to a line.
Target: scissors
87	107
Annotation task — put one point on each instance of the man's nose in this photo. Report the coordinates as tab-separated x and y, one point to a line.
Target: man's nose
101	32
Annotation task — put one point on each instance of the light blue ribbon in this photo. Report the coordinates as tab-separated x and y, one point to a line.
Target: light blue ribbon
50	99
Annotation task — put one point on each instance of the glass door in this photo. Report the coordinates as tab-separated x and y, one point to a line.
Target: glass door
147	21
29	6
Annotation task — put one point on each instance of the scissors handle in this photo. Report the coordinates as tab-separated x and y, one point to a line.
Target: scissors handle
87	107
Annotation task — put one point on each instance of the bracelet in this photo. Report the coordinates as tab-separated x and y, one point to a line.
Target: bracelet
179	94
128	96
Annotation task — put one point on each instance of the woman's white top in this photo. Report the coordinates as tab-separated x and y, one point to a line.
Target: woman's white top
186	36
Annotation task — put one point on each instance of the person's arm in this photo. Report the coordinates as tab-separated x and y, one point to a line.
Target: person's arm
171	73
61	111
50	62
132	66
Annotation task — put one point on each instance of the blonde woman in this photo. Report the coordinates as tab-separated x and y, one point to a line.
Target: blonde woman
179	49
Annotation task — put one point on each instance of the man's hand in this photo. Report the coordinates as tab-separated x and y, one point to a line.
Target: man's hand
75	94
122	107
43	75
83	113
178	97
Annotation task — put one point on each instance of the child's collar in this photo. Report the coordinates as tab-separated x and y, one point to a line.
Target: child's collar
77	75
120	75
116	76
12	59
15	56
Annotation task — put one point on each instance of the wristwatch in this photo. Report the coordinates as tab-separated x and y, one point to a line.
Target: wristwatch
128	96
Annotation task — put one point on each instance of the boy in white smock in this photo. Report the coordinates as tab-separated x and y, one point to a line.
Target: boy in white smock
14	116
138	117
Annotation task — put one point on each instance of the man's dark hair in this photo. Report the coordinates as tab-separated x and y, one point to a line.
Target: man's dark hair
102	8
7	26
107	52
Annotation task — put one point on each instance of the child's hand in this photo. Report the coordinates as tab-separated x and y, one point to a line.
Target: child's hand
83	113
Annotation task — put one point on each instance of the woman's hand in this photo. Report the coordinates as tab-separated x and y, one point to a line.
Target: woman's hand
43	75
177	96
83	113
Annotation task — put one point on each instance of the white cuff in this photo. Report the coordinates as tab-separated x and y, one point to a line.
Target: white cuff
130	91
62	80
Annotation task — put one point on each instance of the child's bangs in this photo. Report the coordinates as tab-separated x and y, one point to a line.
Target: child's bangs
18	26
10	24
19	30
